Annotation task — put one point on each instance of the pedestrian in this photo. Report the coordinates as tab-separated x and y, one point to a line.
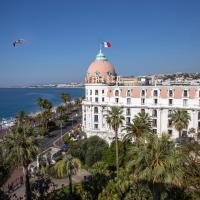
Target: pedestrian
11	186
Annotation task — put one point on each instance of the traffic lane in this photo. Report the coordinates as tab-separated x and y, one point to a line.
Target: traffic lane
47	141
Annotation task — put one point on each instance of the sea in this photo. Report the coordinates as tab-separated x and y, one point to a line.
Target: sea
14	100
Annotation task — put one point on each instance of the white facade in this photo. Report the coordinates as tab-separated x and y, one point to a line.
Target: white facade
158	101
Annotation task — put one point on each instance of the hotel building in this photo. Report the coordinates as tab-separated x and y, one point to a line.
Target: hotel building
104	89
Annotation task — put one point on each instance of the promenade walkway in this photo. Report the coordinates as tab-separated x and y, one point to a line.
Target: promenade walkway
14	181
59	183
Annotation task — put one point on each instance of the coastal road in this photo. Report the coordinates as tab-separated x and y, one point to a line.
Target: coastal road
48	140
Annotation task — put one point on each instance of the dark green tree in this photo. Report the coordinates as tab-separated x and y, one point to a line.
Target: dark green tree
41	187
90	150
157	161
21	149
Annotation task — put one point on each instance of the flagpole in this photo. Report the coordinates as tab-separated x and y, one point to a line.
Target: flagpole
100	47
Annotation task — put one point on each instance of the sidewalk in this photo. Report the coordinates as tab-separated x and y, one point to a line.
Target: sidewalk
15	180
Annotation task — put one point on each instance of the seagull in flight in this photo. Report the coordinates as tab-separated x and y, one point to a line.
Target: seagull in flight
18	41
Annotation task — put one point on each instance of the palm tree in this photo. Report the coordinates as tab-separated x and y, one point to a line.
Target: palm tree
100	168
44	104
21	149
44	118
157	161
77	102
124	187
67	166
60	110
180	120
140	125
20	118
65	97
40	102
47	105
115	119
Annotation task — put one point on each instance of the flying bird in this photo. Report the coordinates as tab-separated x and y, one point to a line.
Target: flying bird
19	41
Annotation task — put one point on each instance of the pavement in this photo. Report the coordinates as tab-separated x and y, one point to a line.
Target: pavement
59	183
2	133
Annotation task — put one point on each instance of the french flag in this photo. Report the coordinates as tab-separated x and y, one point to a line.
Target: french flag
106	44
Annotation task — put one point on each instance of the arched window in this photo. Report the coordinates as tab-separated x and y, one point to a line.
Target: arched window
155	93
128	93
154	113
95	109
143	93
117	93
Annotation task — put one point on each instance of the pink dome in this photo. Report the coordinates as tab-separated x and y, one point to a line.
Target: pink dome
101	68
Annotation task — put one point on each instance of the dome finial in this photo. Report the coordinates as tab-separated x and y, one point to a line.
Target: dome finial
100	55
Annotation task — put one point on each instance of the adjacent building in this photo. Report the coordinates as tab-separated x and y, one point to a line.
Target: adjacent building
104	89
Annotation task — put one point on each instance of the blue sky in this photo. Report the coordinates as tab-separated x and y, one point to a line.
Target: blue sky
62	37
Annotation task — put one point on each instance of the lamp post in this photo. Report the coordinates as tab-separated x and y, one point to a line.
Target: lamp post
61	133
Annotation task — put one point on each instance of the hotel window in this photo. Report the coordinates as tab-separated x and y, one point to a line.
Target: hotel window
116	100
155	101
154	113
142	101
169	131
116	93
96	118
96	92
96	99
128	100
198	115
102	99
95	126
95	109
128	93
155	93
128	120
102	91
169	123
143	93
90	98
154	122
128	111
170	93
185	93
185	102
90	92
170	102
198	125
